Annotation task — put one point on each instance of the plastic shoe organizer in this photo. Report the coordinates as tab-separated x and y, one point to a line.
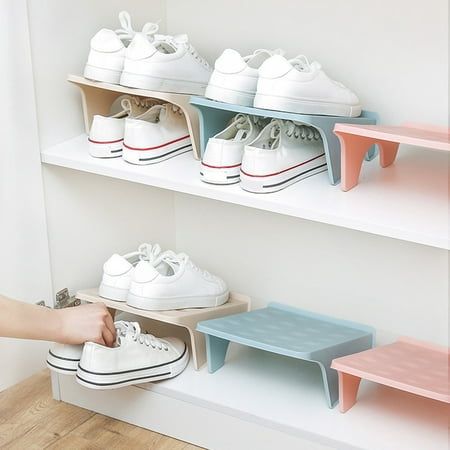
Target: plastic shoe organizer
97	98
290	332
215	115
356	139
185	318
407	364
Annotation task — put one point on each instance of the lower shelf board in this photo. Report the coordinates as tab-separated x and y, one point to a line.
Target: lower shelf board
279	395
407	201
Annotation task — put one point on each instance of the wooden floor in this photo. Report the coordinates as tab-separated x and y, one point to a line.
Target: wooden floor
31	419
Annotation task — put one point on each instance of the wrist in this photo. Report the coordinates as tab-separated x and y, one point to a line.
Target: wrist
58	326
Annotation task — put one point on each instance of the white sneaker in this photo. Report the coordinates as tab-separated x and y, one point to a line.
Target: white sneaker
107	54
118	270
283	154
107	132
184	286
158	134
235	77
136	358
64	358
169	64
300	87
222	159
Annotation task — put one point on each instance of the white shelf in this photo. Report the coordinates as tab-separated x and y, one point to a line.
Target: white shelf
407	201
286	395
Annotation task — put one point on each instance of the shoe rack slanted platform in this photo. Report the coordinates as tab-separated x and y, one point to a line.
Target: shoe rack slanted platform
97	98
356	139
407	364
292	332
214	116
185	318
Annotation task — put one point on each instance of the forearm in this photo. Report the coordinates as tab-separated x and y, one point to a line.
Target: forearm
25	321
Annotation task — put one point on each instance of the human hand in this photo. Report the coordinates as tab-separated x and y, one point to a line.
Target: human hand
80	324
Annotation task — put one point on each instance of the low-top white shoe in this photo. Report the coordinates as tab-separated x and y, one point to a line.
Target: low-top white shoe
107	53
235	77
169	64
222	159
118	270
158	134
183	286
302	87
64	358
136	358
283	154
107	132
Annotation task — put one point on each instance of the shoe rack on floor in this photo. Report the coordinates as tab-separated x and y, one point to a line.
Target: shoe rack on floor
185	318
97	98
214	116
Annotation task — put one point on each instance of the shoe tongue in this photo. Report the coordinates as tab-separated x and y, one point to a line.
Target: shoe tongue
132	107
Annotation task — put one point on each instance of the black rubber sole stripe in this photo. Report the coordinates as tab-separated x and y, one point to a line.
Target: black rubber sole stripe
116	151
294	177
60	368
135	370
168	153
62	357
233	176
124	381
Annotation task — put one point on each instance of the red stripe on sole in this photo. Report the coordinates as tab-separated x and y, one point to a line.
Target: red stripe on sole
158	146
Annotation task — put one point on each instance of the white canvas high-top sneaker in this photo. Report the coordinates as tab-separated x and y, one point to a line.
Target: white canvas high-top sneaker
64	358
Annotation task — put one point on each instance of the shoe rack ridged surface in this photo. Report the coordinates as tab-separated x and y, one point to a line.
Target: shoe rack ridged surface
186	318
97	98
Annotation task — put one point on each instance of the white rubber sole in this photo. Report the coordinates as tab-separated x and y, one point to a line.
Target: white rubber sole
60	364
226	95
127	378
165	304
105	149
113	293
279	181
161	84
102	74
305	107
156	154
220	175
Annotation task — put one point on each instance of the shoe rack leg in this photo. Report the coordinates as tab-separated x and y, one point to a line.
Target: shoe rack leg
216	349
330	383
388	152
198	346
348	390
353	151
332	153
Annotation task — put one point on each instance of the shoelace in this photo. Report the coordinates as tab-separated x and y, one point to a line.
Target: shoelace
127	32
181	258
302	132
133	329
149	252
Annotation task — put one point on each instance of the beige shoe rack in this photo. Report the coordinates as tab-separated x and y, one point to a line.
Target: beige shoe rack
97	98
185	318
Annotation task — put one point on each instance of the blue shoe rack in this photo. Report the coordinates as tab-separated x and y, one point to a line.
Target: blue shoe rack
215	115
288	331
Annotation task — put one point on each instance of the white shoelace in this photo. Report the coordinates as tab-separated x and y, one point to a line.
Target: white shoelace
133	330
302	132
149	252
127	32
178	259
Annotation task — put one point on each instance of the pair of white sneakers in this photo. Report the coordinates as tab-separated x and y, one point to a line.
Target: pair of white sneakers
136	358
146	60
153	280
142	132
263	158
266	79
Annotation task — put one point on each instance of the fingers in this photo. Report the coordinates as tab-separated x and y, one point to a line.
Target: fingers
108	337
110	326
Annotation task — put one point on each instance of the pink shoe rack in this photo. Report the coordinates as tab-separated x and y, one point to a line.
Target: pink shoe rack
409	365
357	139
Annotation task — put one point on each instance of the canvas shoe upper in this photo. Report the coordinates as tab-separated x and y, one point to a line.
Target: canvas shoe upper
118	270
107	52
299	86
223	154
64	358
169	64
158	134
282	154
107	132
183	286
235	77
136	358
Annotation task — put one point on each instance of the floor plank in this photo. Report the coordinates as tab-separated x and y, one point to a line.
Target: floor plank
31	419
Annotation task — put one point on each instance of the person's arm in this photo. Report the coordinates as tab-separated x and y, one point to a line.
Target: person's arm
75	325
